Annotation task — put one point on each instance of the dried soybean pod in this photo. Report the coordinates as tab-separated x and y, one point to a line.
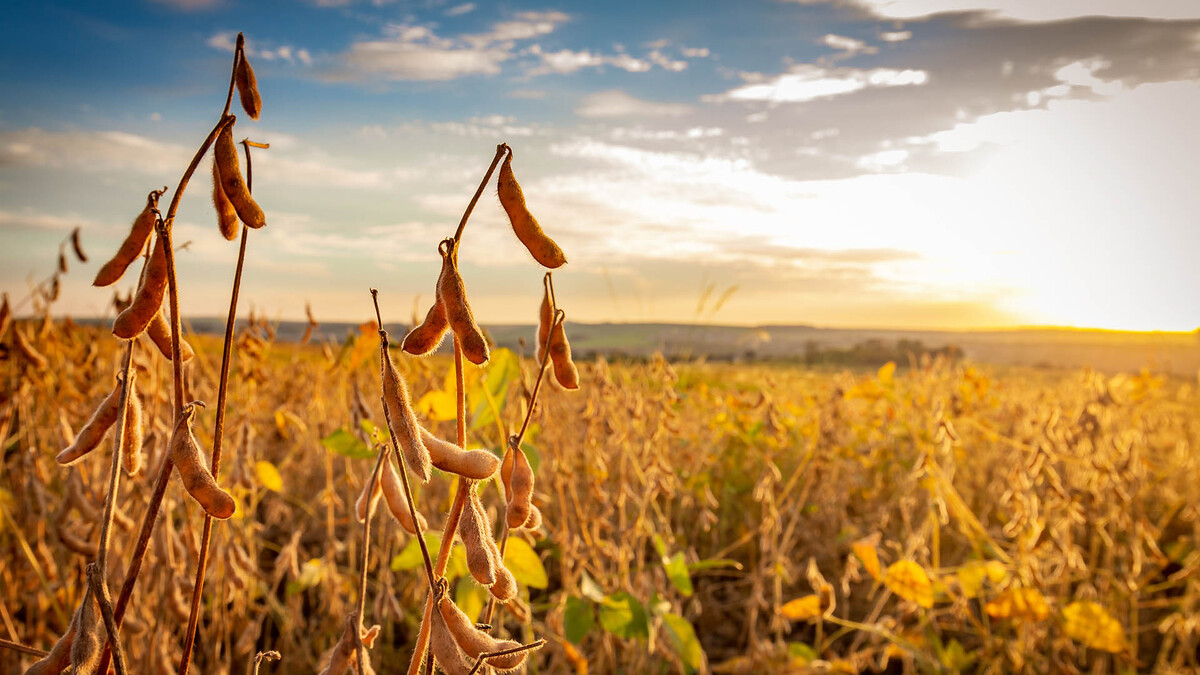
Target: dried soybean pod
400	412
453	295
159	331
476	532
134	242
522	489
560	355
526	227
426	337
232	181
197	479
475	642
545	321
342	658
133	433
92	433
86	647
505	588
78	246
149	297
5	314
25	347
227	220
393	493
60	654
535	518
445	649
506	469
474	464
62	262
371	492
247	86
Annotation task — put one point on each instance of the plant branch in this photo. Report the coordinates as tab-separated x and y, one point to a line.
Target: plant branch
95	576
500	150
24	649
362	573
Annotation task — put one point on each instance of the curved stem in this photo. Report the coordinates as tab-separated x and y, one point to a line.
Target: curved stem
189	638
500	150
362	573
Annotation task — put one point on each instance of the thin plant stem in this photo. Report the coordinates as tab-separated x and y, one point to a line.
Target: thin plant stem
189	638
24	649
366	551
412	507
164	472
456	509
95	576
500	150
114	483
504	652
515	441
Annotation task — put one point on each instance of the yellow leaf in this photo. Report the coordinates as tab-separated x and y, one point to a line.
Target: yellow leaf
996	571
1091	624
907	580
802	609
268	475
1020	604
869	557
438	406
886	373
970	578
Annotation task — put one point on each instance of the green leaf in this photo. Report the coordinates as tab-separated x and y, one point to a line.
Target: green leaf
470	597
524	563
410	558
501	369
683	639
578	619
661	547
590	589
622	615
369	429
677	572
712	564
801	651
347	444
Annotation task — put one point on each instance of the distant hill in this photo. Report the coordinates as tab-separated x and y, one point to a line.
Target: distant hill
1176	353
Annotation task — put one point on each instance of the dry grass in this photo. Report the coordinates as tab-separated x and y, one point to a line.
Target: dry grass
1052	489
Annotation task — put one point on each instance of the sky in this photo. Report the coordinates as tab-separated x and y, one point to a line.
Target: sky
947	164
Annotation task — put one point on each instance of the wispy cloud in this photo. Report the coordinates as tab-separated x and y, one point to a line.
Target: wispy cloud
226	41
616	103
807	82
1026	10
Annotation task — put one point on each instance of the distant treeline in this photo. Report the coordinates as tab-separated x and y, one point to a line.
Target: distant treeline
875	352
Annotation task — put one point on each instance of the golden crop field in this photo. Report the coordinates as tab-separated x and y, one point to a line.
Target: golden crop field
695	517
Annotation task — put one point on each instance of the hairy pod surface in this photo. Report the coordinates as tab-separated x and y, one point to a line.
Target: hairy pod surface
474	464
535	518
452	294
525	226
134	242
393	492
475	642
400	412
60	654
428	335
27	350
193	469
93	431
444	647
476	532
520	485
560	355
227	220
159	330
505	588
133	431
149	297
247	86
231	180
86	647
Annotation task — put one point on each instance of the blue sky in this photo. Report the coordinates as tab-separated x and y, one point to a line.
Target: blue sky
905	163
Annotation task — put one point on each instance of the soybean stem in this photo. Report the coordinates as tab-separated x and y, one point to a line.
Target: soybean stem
500	150
362	573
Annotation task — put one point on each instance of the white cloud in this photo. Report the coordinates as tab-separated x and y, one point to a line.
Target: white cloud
616	103
666	63
695	52
226	41
884	159
459	10
524	26
895	35
807	82
847	44
1030	10
566	61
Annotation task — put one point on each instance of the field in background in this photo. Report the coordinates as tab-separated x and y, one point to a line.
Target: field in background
698	516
